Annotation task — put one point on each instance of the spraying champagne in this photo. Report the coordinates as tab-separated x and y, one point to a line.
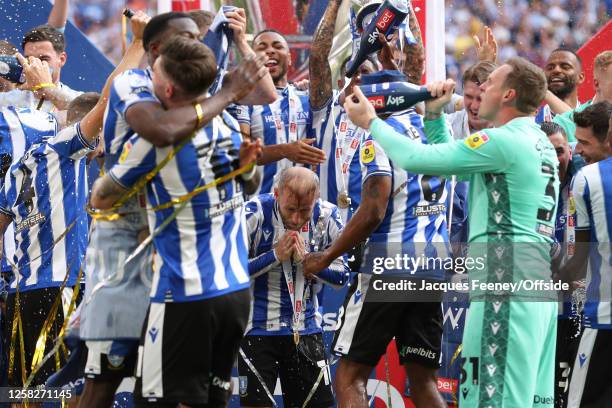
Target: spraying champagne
386	20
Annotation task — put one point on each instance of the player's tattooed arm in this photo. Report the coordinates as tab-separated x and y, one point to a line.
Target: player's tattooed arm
414	54
318	66
370	213
105	192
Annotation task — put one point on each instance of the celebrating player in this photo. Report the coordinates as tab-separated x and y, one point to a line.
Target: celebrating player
504	367
198	286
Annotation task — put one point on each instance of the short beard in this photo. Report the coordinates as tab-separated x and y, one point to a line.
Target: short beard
281	75
565	91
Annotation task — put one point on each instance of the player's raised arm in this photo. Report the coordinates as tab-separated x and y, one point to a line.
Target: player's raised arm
476	154
319	70
91	124
264	91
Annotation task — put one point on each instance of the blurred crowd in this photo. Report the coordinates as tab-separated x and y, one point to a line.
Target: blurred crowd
529	28
100	20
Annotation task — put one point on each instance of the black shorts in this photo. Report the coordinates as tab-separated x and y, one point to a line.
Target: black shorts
568	338
299	369
590	385
187	350
111	359
367	327
35	306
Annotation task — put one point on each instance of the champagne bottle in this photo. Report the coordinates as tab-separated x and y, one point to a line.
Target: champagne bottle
11	69
387	18
390	97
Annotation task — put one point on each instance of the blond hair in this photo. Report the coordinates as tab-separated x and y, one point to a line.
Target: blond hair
602	61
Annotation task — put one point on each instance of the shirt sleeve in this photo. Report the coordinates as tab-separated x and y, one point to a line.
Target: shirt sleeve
71	143
373	159
136	160
253	222
579	201
242	113
436	133
479	153
130	88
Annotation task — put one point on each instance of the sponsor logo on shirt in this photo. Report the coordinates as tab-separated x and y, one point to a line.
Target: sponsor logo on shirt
419	351
476	140
427	210
543	400
30	221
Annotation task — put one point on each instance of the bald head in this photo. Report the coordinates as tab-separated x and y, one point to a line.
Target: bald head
297	192
299	181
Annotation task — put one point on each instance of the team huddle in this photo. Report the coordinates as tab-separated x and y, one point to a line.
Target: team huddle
226	200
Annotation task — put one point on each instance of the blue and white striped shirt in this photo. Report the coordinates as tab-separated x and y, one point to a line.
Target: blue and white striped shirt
328	123
45	193
203	252
415	219
129	88
286	120
272	309
592	197
20	128
544	114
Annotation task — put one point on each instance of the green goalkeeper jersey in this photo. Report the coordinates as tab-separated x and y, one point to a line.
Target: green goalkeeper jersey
513	192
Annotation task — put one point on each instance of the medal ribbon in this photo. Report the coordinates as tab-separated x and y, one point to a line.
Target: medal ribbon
296	288
292	132
345	150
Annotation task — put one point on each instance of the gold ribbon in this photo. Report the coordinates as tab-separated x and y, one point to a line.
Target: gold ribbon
455	356
111	214
17	329
39	351
108	215
39	357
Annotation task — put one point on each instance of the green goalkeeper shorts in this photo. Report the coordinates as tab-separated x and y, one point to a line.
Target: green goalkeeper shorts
508	355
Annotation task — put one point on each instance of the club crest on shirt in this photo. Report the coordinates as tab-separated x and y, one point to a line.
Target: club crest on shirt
368	152
476	140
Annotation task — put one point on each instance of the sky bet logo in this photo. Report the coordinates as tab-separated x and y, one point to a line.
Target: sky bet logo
381	25
385	20
379	101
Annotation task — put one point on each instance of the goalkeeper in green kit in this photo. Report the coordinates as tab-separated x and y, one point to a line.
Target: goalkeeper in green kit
509	339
